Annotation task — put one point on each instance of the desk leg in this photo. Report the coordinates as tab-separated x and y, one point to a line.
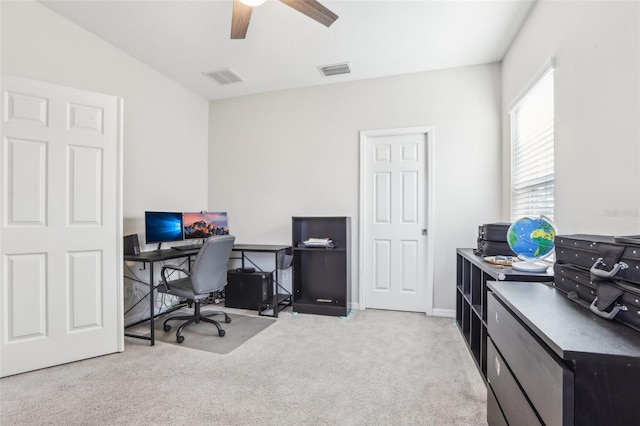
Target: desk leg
276	290
276	274
152	302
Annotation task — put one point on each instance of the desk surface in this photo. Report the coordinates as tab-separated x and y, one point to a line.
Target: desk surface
159	255
166	254
270	248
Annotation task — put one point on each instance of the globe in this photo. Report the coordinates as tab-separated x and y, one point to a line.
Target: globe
531	238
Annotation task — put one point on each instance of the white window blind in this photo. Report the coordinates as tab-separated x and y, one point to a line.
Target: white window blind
532	141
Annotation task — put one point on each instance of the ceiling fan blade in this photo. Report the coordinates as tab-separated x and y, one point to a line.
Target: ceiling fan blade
240	19
314	10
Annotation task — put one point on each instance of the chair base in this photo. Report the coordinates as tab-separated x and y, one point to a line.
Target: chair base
196	317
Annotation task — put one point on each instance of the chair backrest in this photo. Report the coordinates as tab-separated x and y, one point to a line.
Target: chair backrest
209	271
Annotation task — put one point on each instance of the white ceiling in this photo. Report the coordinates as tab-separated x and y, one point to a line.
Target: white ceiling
183	38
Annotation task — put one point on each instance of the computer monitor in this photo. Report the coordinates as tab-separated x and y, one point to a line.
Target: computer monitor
205	224
163	227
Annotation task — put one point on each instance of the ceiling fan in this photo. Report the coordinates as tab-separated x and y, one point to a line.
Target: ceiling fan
242	14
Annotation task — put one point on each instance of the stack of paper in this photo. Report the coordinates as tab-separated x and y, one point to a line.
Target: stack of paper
318	242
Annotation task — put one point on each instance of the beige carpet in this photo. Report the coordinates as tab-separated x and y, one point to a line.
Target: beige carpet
374	368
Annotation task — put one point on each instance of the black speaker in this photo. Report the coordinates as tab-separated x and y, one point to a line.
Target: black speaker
246	290
131	245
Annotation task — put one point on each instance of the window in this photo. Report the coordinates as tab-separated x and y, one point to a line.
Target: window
532	144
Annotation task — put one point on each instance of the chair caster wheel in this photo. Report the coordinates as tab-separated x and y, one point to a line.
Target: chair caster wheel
221	333
227	320
167	327
180	339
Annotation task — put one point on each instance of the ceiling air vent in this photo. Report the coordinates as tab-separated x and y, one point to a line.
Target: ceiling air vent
224	76
337	69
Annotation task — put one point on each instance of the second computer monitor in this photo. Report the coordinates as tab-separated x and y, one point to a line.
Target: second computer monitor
205	224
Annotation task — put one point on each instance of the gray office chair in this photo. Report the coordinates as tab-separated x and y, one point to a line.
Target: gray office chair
208	275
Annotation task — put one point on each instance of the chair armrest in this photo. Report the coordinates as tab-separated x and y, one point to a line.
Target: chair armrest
164	282
175	268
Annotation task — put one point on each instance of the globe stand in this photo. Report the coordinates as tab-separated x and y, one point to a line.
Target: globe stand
530	266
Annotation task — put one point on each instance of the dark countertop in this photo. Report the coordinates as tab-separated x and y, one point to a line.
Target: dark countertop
570	330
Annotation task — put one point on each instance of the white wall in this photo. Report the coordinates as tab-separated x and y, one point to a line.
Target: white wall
296	153
165	126
597	115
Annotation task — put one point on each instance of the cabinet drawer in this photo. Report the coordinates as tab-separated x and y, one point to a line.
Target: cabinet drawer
514	404
494	414
547	382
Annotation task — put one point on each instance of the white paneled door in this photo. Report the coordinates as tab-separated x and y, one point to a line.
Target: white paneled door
394	220
60	230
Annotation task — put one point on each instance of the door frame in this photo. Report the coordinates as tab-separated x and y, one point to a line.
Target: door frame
427	131
119	224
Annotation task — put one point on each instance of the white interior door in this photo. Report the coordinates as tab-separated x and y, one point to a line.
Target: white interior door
60	234
394	220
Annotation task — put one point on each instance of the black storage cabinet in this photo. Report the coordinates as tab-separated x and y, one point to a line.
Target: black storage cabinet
322	276
553	362
471	299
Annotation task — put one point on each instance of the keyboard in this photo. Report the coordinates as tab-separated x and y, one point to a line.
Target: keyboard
187	247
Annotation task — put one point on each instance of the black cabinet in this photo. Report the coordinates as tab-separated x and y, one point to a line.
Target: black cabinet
471	298
551	361
322	275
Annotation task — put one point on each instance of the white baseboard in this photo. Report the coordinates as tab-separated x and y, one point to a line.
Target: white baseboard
449	313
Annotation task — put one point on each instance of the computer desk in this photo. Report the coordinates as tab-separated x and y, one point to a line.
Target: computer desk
281	297
152	257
